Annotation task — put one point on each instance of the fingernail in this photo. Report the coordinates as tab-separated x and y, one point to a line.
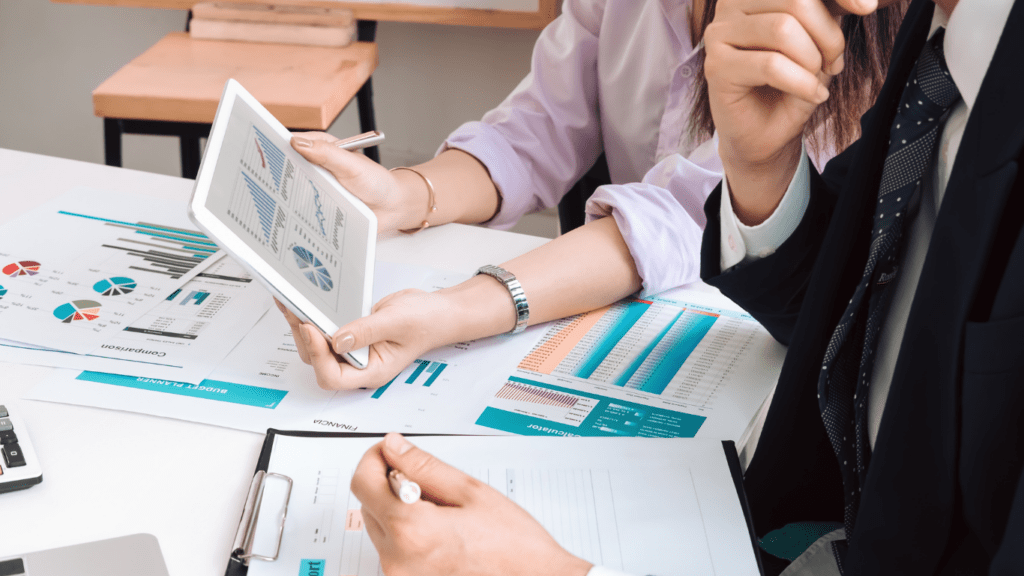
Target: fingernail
822	93
344	342
397	443
836	67
304	330
302	142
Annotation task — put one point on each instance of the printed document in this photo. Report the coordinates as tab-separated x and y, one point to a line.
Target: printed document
81	268
662	507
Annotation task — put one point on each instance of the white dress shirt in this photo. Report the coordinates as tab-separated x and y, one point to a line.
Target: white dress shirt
972	32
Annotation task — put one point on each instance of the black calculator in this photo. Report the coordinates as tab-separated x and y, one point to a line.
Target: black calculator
19	468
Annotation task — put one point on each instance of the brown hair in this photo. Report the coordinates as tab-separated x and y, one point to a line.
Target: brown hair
869	41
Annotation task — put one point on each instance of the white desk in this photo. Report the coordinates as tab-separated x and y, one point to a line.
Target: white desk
108	473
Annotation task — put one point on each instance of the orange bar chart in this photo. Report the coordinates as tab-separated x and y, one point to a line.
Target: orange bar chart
554	348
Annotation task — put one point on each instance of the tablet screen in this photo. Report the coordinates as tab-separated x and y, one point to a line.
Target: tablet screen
287	213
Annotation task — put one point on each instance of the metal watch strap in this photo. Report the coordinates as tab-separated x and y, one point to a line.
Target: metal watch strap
515	290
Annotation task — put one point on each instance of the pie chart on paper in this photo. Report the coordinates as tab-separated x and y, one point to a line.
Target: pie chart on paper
23	268
312	268
115	286
3	292
78	310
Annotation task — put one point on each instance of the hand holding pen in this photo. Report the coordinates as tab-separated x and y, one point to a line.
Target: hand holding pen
406	490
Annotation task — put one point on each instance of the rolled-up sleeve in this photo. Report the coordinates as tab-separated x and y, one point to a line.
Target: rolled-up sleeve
547	133
662	218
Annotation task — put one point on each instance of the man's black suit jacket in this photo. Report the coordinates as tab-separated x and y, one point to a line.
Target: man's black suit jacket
944	492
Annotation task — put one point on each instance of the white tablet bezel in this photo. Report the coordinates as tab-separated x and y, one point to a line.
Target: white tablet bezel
230	242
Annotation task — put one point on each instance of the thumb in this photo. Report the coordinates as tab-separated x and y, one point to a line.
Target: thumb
381	326
439	482
320	150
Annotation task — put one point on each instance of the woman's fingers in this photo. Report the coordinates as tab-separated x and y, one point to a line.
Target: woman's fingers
750	69
296	325
820	25
328	366
778	32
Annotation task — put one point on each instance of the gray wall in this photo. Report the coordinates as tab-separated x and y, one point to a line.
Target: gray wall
430	79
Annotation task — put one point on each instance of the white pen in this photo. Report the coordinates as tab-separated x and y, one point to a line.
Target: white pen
364	140
406	490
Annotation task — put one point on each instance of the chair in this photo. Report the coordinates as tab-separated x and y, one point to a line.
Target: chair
173	88
571	209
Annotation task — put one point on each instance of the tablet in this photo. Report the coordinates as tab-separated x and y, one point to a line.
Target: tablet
290	223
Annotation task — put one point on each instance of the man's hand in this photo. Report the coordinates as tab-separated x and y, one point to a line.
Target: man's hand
461	527
768	64
398	203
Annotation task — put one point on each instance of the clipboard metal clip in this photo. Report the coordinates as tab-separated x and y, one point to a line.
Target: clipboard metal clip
246	535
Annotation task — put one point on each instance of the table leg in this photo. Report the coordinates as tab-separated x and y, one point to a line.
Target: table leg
366	31
112	131
189	156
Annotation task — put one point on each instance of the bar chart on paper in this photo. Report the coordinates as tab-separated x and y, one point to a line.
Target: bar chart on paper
419	373
640	345
636	368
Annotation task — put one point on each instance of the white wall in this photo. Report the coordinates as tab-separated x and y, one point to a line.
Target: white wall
430	79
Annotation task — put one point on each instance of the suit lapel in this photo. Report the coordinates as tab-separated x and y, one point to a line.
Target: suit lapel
913	469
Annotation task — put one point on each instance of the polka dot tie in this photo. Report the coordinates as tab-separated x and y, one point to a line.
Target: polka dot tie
846	371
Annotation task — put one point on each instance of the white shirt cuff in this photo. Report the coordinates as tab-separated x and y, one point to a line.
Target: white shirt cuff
602	571
741	243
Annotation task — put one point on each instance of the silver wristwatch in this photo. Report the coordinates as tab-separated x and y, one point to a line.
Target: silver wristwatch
515	290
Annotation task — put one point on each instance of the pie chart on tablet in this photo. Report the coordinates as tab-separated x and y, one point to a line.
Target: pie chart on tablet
23	268
77	310
312	268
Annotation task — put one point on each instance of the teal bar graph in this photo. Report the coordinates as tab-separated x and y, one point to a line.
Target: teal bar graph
694	327
419	370
633	311
653	369
435	370
380	391
624	378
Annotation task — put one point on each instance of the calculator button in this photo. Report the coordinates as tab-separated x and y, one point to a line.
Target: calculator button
13	456
8	437
5	424
3	411
13	567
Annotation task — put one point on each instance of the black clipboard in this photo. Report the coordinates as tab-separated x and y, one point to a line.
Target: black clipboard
238	565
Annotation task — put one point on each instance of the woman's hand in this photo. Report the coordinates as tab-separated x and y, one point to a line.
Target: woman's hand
462	526
402	326
768	64
398	201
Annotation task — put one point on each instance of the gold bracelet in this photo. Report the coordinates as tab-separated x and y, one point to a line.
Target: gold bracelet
431	204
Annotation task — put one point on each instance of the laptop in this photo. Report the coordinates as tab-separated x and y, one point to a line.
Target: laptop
135	555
